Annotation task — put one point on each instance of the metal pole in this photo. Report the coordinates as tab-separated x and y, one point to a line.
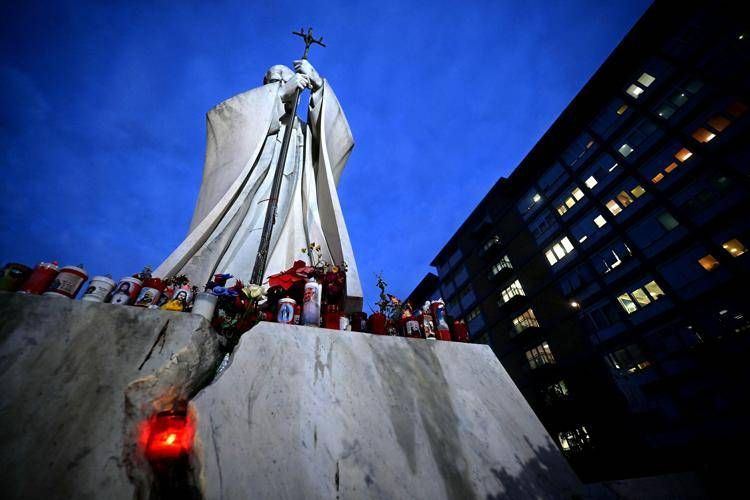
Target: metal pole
265	239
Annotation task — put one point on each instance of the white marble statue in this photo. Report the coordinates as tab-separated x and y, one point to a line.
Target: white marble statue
243	143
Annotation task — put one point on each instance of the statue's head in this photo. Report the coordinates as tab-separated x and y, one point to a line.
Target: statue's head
277	73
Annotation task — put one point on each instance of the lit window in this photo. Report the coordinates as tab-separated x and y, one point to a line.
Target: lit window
574	441
599	220
540	355
734	247
637	191
562	209
503	263
645	79
624	199
670	167
550	257
570	202
556	391
567	245
703	135
634	91
708	262
614	207
636	299
577	193
719	123
627	303
559	250
667	221
640	297
622	109
514	289
524	321
658	177
625	150
654	290
683	154
591	182
536	198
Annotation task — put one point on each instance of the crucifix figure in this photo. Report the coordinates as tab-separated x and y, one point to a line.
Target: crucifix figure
269	182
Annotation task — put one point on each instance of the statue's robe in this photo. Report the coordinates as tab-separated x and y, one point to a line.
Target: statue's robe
244	136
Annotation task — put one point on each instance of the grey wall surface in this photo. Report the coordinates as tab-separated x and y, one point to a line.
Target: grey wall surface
76	378
313	413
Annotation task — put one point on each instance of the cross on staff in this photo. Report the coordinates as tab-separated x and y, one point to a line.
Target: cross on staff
265	239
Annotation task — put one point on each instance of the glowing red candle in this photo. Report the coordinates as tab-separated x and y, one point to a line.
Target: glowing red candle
167	436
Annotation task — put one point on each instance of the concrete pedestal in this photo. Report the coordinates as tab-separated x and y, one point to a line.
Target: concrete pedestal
313	413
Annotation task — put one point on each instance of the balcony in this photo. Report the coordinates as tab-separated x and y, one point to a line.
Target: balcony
500	275
490	247
517	301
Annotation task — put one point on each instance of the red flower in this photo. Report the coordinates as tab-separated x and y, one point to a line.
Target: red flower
298	272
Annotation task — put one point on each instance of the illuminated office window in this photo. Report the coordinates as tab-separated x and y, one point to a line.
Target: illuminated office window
590	182
539	356
654	290
556	391
613	207
703	135
524	321
559	250
503	263
637	191
624	199
683	154
734	247
574	441
640	297
635	91
708	262
646	80
625	150
627	303
599	220
514	289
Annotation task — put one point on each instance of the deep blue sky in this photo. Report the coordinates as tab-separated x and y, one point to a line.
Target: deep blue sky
102	130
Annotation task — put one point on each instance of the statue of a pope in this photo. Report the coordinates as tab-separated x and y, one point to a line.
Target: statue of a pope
244	139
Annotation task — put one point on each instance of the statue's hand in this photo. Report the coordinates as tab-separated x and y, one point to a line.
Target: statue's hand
303	66
298	81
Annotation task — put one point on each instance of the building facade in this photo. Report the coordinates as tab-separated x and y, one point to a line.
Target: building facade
609	271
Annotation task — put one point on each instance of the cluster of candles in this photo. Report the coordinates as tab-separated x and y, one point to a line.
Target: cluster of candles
47	278
429	322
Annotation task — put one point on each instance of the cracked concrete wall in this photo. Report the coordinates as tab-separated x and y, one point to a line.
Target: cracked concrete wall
76	379
313	413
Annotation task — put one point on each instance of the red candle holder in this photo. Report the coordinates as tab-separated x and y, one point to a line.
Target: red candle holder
167	436
377	324
460	332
